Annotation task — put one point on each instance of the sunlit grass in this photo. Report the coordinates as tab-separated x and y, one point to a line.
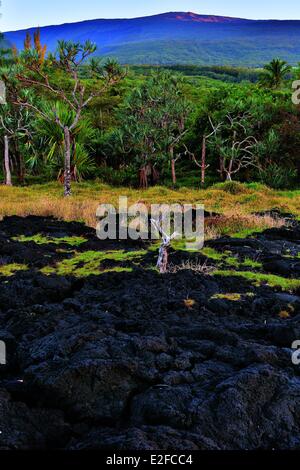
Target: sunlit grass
48	200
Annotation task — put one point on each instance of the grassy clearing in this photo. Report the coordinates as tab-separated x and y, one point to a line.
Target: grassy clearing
236	205
40	239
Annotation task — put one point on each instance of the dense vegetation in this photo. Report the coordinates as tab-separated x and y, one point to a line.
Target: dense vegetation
72	117
224	73
250	51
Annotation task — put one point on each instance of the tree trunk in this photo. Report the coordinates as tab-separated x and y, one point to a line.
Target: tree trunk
228	177
67	178
143	178
203	162
173	163
221	168
6	162
20	162
174	179
230	168
163	257
22	168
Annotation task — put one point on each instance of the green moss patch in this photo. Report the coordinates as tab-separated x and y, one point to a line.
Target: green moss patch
182	245
250	263
259	279
247	232
90	263
40	239
231	297
8	270
227	258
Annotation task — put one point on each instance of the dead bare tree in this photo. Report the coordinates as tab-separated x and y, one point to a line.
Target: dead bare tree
173	159
163	256
202	163
13	125
237	150
8	180
239	155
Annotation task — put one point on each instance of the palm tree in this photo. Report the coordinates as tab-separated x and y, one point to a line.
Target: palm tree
276	72
69	60
52	141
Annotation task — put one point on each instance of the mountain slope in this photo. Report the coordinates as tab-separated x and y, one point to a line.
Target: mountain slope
180	37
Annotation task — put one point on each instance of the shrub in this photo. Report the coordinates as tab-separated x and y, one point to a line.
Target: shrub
278	177
123	177
232	187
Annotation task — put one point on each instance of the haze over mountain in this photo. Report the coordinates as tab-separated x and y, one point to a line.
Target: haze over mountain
180	38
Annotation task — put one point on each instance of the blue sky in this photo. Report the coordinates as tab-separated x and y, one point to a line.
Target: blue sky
17	14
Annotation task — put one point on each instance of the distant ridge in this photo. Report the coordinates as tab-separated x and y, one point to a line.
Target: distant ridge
194	17
180	37
172	15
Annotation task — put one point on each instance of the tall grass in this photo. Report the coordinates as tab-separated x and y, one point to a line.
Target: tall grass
236	209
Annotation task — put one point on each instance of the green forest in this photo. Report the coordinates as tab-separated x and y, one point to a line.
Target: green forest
71	116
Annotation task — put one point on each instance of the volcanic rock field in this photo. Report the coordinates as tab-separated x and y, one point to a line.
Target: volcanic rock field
103	352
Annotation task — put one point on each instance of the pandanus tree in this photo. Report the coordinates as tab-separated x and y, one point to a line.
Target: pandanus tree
59	77
172	113
275	73
155	117
138	138
50	137
16	121
15	128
